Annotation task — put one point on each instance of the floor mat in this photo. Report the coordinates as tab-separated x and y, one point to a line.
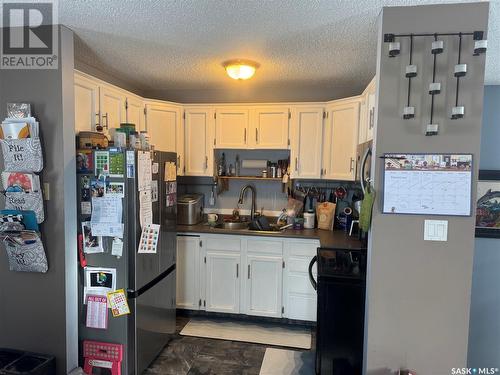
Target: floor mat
287	362
268	334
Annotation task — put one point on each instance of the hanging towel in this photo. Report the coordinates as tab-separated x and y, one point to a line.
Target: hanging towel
365	216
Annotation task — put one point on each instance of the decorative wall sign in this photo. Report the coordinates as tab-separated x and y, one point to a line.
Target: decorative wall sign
488	204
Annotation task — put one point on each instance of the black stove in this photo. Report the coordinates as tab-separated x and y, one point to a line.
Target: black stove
341	288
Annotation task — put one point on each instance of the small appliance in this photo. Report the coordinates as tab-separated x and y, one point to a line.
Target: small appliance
190	209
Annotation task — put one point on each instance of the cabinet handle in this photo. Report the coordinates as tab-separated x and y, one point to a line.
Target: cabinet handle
249	271
256	135
245	135
237	270
371	118
206	162
296	164
352	165
106	117
178	162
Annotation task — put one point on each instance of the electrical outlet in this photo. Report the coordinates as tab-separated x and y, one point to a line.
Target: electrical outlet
46	191
436	230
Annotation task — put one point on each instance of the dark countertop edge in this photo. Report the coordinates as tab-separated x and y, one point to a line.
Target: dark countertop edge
328	239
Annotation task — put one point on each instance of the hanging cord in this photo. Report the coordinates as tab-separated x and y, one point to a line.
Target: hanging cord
433	80
459	57
409	78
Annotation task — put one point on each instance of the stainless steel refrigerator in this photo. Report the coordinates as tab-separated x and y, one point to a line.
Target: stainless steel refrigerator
149	279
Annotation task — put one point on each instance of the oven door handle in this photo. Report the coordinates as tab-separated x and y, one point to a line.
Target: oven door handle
311	277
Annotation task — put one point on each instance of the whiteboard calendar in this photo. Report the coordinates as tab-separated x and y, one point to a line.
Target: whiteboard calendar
427	184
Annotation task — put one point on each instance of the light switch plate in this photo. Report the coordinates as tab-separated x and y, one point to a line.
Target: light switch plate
436	230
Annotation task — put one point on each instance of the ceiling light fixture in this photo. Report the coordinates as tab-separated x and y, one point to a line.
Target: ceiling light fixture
240	69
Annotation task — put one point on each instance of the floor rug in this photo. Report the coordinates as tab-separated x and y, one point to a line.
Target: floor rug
287	362
267	334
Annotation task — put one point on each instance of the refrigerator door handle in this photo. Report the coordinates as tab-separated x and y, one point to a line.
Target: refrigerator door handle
368	152
131	293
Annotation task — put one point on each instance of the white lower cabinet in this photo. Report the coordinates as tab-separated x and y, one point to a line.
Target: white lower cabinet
222	273
298	293
259	276
264	277
222	281
188	272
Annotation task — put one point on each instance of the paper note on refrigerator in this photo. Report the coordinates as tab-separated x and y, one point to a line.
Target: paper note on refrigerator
170	171
97	312
149	239
143	170
106	219
145	208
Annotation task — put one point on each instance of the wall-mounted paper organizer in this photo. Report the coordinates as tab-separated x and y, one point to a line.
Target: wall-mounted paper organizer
24	207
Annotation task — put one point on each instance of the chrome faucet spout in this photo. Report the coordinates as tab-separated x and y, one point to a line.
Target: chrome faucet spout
242	195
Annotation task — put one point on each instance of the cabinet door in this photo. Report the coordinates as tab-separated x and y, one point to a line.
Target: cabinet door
306	143
264	285
164	126
298	294
188	272
113	111
86	104
269	128
223	281
340	141
198	135
231	128
135	112
363	121
371	115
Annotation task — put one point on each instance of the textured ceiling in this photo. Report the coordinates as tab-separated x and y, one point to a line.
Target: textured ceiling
308	50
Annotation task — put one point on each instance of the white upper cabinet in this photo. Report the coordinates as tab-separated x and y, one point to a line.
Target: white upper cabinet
307	132
198	138
340	141
135	112
113	112
367	113
269	128
86	104
231	128
164	127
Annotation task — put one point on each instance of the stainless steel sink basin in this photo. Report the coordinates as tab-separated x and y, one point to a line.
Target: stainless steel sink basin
233	225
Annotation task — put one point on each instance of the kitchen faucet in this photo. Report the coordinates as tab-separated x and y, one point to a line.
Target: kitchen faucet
242	195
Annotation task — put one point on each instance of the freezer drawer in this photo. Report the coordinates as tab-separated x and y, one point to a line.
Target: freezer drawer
155	320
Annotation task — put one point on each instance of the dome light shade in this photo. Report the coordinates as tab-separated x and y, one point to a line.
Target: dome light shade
240	69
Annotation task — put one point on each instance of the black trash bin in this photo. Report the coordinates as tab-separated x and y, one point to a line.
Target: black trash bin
14	362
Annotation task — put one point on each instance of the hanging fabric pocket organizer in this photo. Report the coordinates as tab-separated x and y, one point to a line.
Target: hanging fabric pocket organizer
23	244
26	201
22	155
28	256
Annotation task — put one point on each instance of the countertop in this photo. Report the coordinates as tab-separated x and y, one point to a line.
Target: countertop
336	239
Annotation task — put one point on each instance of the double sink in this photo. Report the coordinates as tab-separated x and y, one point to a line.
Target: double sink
245	225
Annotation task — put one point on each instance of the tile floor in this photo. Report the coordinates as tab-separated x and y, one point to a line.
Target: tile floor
200	356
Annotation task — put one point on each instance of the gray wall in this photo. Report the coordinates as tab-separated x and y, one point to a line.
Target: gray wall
419	291
38	312
484	329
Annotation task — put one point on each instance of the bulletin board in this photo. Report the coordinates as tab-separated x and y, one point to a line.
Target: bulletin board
427	184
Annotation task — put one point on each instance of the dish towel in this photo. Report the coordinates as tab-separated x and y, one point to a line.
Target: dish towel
365	216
